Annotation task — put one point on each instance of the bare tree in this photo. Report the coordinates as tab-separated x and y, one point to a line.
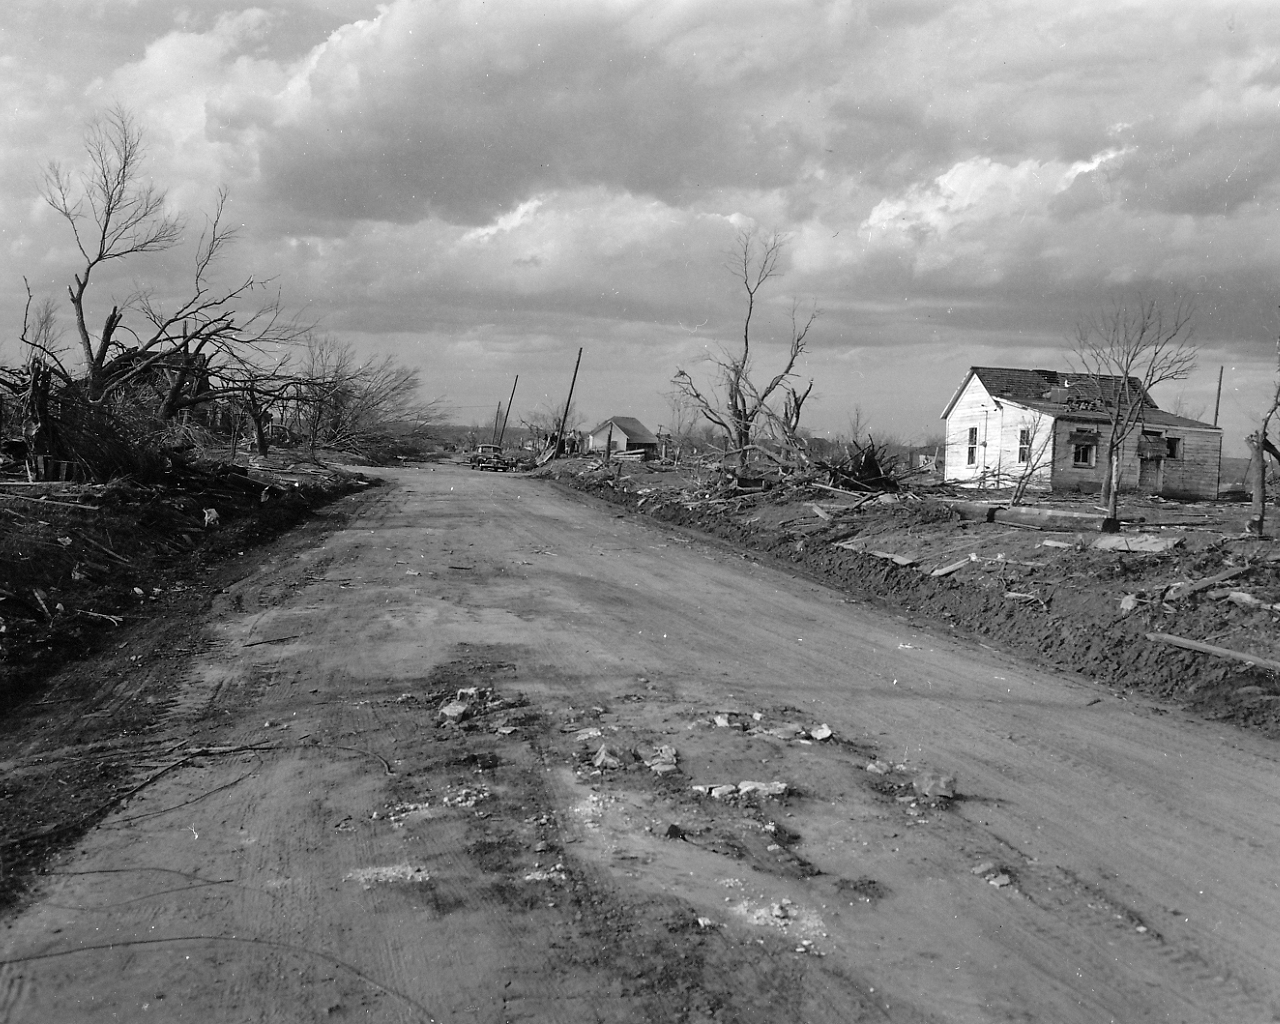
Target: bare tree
115	213
741	404
1127	349
339	402
1034	456
543	422
682	416
1260	446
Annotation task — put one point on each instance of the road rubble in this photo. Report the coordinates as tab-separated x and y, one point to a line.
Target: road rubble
436	799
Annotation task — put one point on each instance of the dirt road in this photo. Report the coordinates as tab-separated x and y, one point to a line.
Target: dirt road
315	843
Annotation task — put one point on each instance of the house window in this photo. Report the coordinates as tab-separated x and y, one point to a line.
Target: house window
1084	455
1024	445
1175	447
972	458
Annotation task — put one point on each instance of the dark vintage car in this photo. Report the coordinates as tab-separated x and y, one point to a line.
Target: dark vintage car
489	456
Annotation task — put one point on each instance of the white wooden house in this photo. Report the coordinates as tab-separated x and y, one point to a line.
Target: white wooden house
627	434
1005	424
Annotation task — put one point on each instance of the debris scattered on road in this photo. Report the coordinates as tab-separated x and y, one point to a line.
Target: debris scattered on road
388	875
993	874
466	796
403	813
879	768
934	786
663	761
455	711
606	759
556	873
729	790
763	788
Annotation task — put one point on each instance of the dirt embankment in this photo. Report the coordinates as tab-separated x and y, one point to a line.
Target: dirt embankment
1046	595
126	573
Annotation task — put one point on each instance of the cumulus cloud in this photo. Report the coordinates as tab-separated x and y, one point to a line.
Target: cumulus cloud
979	216
460	177
464	110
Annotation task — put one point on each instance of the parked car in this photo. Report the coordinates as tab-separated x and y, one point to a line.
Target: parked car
489	456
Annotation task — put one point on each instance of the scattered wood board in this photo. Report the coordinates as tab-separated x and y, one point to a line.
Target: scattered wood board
1217	652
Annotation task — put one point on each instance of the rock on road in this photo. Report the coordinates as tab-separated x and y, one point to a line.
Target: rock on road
320	846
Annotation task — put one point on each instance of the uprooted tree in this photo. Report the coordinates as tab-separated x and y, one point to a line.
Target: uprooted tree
228	349
165	352
738	406
1124	350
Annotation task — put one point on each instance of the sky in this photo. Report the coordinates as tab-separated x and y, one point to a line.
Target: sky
482	188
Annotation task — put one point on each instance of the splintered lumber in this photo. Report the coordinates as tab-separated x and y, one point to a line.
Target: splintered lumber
43	499
1144	543
889	556
947	570
104	549
817	511
1217	652
1046	518
1178	591
972	511
862	496
859	548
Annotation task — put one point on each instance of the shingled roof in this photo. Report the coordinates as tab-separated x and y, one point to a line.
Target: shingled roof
1035	385
637	432
1057	393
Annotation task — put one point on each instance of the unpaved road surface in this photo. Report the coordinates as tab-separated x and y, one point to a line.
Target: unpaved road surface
315	844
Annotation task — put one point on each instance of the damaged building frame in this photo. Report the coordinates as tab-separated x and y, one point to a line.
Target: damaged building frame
1052	428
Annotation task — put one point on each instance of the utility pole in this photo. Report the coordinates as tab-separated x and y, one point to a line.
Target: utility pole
568	401
1217	402
508	412
497	415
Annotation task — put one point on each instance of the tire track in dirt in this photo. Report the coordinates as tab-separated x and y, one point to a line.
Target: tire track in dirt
502	878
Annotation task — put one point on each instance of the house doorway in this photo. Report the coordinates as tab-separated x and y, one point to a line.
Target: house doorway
1150	475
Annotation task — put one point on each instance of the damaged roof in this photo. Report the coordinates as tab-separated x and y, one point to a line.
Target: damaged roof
1058	393
636	431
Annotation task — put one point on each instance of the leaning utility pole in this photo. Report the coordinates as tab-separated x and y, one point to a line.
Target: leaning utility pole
508	412
568	401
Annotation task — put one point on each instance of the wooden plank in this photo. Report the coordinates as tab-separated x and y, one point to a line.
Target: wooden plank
1178	591
947	570
1143	543
1217	652
889	556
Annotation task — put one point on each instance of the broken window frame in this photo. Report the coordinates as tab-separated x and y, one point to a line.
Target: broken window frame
1084	455
1174	447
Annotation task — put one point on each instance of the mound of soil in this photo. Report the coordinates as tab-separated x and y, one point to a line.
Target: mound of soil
1046	595
127	573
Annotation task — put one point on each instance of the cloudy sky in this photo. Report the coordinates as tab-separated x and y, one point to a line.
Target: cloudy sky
482	187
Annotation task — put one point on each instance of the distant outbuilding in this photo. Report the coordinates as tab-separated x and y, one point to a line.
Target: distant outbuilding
629	435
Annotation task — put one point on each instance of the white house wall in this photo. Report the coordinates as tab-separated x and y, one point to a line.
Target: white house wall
998	425
597	441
